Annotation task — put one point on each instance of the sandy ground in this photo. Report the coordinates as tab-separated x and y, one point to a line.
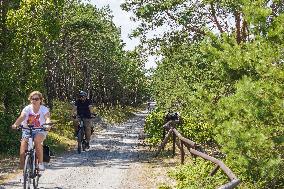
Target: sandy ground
117	159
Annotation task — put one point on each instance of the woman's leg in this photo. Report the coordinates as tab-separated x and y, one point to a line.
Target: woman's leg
38	140
23	148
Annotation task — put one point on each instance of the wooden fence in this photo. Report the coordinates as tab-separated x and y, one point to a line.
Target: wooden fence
191	146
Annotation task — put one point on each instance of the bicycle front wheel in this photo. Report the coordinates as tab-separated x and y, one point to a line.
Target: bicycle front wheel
27	172
35	180
79	140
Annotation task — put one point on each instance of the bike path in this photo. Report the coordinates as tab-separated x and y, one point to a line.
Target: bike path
106	165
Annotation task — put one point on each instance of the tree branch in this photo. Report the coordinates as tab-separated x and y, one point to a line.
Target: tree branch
193	29
215	19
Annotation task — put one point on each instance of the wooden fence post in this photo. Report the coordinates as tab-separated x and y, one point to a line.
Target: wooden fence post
174	144
191	146
182	152
214	170
164	142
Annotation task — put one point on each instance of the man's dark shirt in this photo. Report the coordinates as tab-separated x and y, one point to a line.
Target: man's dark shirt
83	108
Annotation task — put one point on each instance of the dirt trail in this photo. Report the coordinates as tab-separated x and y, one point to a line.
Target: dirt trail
115	160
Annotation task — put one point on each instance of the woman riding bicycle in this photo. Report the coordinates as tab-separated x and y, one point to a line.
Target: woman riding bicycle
34	114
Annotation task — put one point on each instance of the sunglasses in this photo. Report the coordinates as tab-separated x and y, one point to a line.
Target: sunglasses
36	99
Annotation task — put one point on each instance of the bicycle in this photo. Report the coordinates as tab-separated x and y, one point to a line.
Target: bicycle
81	135
31	173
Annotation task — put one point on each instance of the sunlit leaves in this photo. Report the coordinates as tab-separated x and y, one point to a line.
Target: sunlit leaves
229	91
59	47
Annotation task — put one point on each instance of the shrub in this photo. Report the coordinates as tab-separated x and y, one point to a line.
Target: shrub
251	132
9	139
195	174
62	115
154	127
196	130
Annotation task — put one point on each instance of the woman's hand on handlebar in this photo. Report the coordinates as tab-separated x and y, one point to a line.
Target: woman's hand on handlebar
14	126
47	126
17	127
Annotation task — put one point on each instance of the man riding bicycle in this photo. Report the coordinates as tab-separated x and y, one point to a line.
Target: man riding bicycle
34	114
82	108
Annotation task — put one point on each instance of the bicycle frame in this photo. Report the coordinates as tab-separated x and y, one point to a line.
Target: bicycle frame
31	152
81	136
30	172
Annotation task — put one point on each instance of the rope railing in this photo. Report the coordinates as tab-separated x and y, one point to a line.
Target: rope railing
191	146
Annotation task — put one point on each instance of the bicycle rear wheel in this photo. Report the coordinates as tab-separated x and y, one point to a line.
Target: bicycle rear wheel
27	172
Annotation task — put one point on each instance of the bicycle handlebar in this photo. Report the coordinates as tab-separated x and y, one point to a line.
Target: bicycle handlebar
44	127
79	116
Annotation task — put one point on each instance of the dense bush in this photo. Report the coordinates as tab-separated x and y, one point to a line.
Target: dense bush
195	174
251	132
196	130
189	127
239	108
234	100
154	127
9	139
62	115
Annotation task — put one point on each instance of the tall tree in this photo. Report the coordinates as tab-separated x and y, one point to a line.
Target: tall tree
222	68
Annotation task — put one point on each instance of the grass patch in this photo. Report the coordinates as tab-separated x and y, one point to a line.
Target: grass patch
58	143
8	165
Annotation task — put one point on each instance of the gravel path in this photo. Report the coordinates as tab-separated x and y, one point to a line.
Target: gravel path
113	161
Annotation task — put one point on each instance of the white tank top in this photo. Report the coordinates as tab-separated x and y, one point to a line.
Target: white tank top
36	119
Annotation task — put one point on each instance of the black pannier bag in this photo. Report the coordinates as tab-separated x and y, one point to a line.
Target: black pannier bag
46	154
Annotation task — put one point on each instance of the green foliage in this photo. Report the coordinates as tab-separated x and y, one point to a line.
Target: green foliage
227	84
154	127
59	143
196	175
197	130
252	125
60	52
62	116
9	139
234	96
164	186
189	127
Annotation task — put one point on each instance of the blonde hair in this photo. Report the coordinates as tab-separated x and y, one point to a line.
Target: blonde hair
36	93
